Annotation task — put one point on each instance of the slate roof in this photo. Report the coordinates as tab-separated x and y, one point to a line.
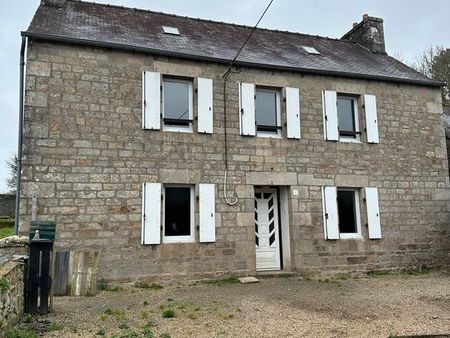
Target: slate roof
141	30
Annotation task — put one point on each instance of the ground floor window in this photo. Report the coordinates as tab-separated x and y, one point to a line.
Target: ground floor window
178	214
348	213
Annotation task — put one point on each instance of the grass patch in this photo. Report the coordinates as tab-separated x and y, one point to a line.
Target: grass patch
223	281
55	326
100	332
105	286
6	222
145	285
165	335
6	231
21	332
168	313
226	316
118	314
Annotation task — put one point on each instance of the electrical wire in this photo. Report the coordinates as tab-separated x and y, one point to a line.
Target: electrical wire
225	76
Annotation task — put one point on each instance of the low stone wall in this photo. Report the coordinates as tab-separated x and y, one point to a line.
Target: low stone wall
12	246
11	294
7	205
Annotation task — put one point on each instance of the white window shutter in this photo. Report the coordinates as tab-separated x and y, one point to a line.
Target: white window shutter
247	109
205	105
151	213
330	213
330	118
207	212
370	106
151	100
373	213
293	112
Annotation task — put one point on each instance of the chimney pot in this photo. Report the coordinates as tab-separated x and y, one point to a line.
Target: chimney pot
366	17
355	24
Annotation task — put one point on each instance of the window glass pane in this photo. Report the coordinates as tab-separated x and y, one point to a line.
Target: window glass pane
346	210
346	118
266	108
176	100
177	211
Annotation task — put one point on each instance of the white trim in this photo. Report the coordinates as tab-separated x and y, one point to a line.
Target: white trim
188	129
356	234
355	116
277	99
177	239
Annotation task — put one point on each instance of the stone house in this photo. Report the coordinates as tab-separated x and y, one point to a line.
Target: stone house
308	154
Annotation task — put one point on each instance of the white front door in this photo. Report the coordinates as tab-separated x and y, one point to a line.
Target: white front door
266	229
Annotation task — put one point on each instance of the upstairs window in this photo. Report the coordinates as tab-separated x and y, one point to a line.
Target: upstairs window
267	108
348	121
177	105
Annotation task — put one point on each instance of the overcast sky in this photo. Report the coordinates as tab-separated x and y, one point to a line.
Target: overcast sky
411	26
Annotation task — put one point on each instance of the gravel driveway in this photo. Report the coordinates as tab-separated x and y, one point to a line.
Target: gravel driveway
382	306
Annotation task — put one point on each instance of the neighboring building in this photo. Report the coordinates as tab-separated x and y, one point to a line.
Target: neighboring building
335	151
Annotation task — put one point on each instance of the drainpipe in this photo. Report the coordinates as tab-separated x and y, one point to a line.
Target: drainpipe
19	145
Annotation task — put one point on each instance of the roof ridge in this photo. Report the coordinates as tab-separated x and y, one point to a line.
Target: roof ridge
212	21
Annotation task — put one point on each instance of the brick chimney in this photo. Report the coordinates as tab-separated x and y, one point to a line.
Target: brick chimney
54	3
368	33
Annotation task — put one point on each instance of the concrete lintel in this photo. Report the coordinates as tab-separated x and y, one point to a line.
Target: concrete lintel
271	178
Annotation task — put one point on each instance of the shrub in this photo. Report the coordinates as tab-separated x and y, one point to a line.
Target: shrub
169	313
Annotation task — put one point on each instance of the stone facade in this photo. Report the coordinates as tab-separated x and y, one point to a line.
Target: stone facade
86	156
13	246
7	205
12	301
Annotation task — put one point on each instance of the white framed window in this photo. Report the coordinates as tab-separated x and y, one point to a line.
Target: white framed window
178	111
349	214
267	112
178	214
348	118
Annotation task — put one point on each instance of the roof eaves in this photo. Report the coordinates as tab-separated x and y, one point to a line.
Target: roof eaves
64	39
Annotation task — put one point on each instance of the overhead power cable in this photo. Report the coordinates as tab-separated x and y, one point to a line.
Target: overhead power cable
225	76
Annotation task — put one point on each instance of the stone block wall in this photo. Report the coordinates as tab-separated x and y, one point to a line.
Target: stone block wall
11	246
86	156
7	205
11	294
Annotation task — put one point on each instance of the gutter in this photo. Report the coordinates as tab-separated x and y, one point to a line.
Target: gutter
50	37
20	137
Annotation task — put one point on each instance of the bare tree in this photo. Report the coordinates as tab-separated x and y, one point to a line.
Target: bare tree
12	178
435	63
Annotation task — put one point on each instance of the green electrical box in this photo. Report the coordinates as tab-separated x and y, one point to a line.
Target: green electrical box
46	229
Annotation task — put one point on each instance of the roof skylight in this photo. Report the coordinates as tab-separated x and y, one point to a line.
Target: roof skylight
171	30
311	50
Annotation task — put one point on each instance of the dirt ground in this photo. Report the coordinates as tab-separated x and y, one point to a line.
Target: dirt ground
377	306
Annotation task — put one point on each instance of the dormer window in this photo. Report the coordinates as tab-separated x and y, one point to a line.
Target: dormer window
310	50
171	30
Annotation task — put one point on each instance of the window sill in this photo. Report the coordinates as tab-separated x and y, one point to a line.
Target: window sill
268	135
178	239
349	140
177	129
350	236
